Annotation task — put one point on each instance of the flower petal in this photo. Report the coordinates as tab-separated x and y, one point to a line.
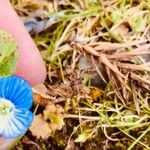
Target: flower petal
16	90
18	124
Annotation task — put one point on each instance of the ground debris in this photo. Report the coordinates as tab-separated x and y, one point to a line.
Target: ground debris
96	94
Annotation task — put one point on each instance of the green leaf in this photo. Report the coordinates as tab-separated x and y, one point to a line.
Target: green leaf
148	19
8	65
117	16
8	53
57	122
137	23
82	137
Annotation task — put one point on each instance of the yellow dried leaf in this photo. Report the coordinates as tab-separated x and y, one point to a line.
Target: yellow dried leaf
54	115
40	95
40	128
50	108
96	93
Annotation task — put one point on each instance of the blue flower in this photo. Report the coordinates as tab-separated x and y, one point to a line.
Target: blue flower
15	102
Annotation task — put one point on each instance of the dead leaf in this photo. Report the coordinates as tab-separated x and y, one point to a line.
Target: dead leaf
133	66
103	59
121	30
100	69
40	128
40	95
91	23
108	46
42	90
140	79
127	54
90	50
38	99
105	46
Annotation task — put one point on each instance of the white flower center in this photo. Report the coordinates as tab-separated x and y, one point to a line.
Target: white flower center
6	106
